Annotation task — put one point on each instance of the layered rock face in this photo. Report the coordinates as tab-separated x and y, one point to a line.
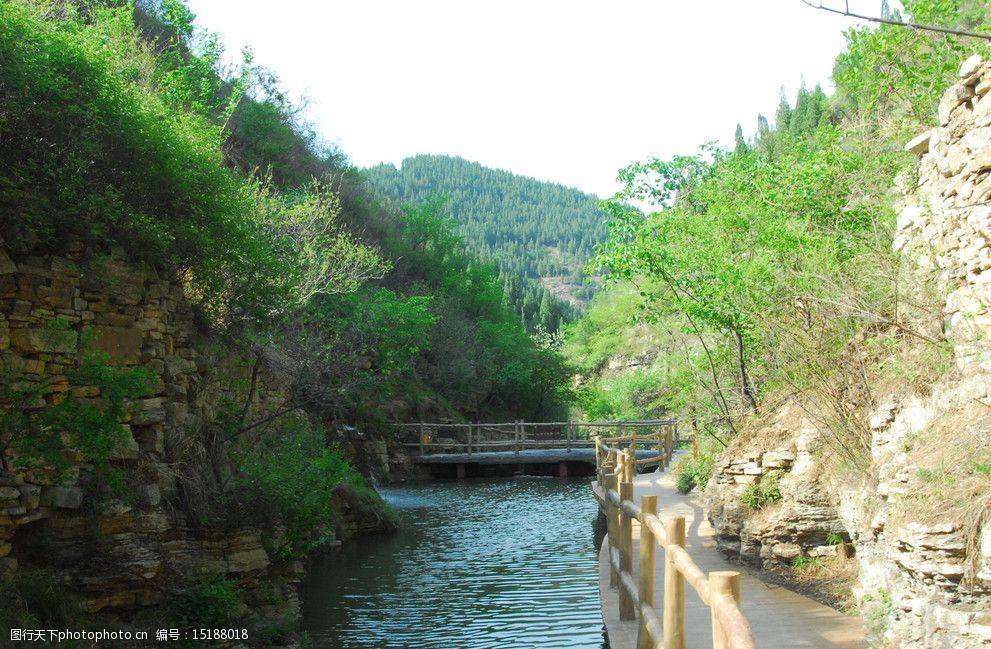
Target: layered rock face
119	552
800	519
936	574
925	569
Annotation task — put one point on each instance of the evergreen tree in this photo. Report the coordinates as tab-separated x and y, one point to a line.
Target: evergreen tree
530	230
741	143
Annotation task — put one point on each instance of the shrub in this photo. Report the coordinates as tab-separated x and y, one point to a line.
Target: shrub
290	478
208	603
693	472
35	599
759	494
685	482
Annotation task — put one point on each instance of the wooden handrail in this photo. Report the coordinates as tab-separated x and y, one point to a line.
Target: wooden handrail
519	436
719	590
640	423
665	439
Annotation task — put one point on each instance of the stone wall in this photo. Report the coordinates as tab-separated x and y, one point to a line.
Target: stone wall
946	220
925	573
121	553
939	592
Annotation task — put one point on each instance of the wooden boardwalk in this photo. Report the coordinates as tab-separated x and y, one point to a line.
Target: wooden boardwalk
527	456
441	442
778	617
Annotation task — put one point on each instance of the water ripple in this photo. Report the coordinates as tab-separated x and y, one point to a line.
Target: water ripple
479	564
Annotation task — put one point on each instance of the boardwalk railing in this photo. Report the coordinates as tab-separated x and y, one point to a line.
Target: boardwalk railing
720	591
520	436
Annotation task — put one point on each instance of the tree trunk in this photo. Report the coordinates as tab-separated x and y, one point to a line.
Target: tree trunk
748	388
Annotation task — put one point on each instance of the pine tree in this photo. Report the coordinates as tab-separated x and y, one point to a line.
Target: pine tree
741	144
782	118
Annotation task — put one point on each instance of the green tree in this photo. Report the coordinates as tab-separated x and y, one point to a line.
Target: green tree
739	140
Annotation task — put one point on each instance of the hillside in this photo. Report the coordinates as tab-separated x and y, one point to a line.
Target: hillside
811	301
199	305
540	235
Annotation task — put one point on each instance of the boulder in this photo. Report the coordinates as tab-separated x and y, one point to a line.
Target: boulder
43	340
122	344
919	144
9	493
7	265
62	497
971	66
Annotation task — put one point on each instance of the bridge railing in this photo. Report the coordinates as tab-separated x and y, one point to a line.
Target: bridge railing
719	590
665	440
519	436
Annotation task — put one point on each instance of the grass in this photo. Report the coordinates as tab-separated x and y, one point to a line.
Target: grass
875	608
952	481
829	580
804	561
37	599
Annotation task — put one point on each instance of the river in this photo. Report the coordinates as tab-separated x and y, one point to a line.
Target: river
477	564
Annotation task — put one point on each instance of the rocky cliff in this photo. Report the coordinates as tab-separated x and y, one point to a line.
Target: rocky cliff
138	547
919	513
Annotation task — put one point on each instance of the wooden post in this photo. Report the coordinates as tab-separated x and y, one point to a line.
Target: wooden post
621	466
570	433
469	439
648	551
609	463
674	587
630	464
626	609
608	466
695	439
668	446
721	584
423	438
516	436
612	481
600	463
660	448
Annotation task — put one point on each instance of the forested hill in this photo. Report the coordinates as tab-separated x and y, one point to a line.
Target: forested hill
539	234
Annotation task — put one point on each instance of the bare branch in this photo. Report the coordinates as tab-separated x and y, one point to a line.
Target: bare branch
875	317
899	23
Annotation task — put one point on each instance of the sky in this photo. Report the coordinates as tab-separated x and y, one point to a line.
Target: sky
566	91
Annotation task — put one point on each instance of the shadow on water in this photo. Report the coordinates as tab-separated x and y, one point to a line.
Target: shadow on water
477	564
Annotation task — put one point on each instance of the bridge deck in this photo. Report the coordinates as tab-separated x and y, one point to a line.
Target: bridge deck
529	456
779	617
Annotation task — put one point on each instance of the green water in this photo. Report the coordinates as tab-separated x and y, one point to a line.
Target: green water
507	564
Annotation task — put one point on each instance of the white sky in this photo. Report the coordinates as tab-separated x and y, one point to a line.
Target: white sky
567	91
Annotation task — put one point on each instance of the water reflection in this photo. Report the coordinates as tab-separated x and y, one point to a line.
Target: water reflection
506	564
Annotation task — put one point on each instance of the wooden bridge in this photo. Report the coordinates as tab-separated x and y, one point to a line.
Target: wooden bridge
561	448
715	613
